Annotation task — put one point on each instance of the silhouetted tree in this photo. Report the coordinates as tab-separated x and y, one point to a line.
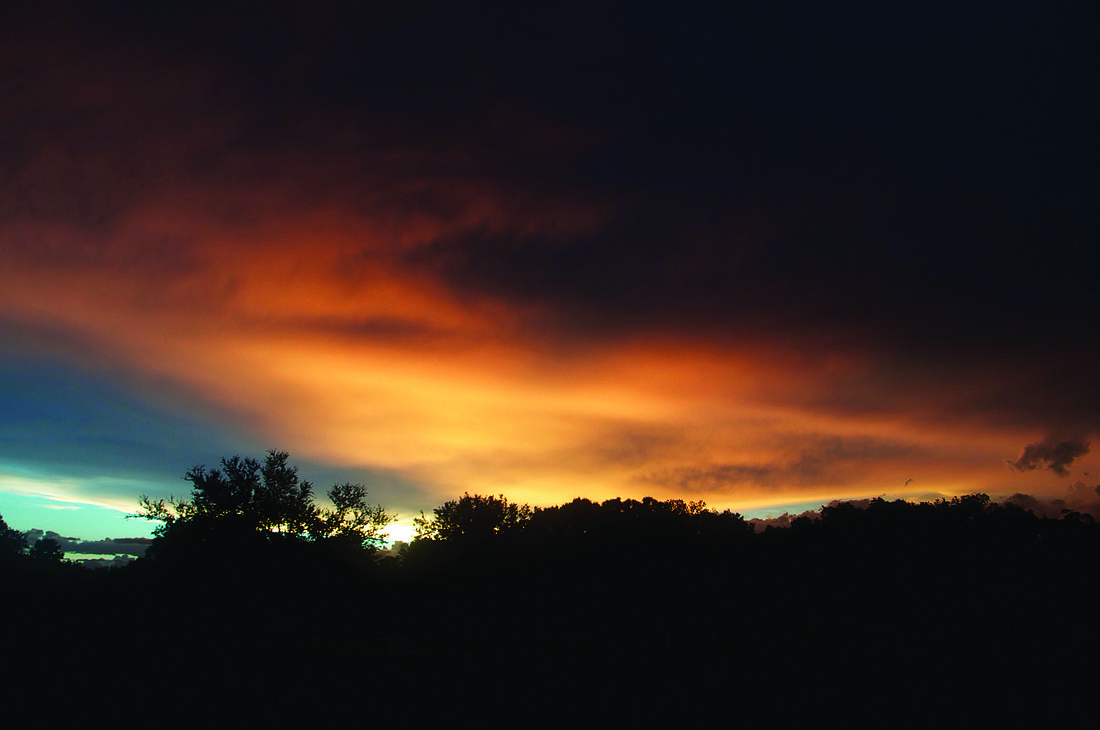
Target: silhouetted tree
352	518
248	502
47	550
12	542
473	517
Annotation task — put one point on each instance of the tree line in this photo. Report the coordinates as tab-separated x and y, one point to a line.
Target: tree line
252	525
251	569
247	507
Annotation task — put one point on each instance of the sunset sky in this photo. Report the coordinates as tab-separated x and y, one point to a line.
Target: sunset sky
764	257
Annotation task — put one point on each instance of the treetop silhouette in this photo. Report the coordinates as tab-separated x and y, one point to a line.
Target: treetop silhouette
12	542
473	517
250	500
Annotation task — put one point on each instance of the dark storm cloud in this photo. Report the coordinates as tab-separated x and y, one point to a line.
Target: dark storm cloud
1051	454
768	171
842	179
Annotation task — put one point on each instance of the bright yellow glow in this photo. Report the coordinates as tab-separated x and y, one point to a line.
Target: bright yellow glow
311	330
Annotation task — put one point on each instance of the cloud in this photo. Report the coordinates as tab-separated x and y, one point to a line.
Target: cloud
760	524
111	546
801	461
509	268
714	478
1050	454
1079	497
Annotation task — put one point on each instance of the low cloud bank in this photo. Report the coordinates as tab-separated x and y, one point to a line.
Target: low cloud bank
1080	498
128	546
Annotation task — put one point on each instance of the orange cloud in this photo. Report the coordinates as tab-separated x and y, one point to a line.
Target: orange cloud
307	325
315	290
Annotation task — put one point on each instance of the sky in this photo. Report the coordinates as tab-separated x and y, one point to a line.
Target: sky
765	257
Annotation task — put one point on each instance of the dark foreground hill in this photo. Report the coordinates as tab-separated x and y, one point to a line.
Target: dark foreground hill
894	606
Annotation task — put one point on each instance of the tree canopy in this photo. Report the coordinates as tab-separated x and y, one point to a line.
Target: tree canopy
12	542
250	500
473	517
47	550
